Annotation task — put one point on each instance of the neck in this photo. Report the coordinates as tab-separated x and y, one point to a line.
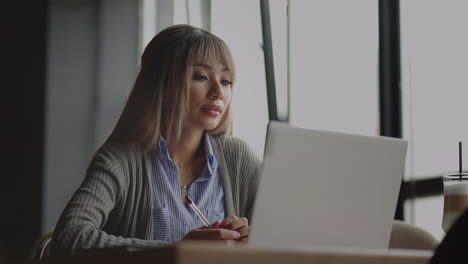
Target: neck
188	147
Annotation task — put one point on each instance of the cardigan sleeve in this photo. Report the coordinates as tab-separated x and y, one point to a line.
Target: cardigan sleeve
249	173
244	170
81	223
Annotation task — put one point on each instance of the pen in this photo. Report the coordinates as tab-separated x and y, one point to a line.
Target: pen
198	212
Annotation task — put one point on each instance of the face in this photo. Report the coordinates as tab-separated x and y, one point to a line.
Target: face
210	94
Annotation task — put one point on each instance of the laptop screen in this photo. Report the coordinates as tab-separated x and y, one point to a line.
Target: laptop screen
327	189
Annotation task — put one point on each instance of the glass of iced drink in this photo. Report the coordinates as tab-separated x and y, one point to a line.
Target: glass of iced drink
455	198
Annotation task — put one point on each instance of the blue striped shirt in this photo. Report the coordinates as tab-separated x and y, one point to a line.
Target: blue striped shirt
171	219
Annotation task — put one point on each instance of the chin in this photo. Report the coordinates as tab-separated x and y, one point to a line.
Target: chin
209	128
210	125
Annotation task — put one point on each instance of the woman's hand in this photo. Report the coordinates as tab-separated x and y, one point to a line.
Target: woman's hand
234	223
232	228
208	233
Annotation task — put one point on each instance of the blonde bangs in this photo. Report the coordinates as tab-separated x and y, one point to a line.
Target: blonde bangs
207	47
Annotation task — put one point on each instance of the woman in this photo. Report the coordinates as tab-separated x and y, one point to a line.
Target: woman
171	142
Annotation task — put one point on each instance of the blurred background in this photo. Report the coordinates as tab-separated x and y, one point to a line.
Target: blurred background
321	64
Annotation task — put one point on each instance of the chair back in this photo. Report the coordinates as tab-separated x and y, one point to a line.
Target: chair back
407	236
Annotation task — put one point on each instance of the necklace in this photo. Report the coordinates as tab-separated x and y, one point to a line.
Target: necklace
184	190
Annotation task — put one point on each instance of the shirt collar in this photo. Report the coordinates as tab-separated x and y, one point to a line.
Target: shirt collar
211	161
163	147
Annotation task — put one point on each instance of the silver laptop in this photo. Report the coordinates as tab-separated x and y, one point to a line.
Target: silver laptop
327	189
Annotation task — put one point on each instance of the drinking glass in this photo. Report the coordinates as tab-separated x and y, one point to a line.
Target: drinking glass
455	198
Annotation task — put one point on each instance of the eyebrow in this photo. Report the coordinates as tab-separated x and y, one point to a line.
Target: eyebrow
209	67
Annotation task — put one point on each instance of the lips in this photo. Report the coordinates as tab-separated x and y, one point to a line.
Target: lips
213	108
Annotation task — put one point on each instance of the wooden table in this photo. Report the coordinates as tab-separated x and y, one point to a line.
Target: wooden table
216	253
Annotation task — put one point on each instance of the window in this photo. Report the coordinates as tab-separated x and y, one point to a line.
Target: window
334	65
434	41
244	38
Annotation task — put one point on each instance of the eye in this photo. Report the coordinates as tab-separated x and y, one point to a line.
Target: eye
199	77
226	82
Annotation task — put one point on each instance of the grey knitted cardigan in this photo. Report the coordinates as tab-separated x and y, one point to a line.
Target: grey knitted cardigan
113	205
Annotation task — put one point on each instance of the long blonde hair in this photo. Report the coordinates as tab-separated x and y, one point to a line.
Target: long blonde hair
159	100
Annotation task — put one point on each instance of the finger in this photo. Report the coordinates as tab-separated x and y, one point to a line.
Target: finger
221	234
243	231
216	224
240	223
237	224
195	234
226	222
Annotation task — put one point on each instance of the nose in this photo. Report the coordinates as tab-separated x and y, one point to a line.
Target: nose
216	92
